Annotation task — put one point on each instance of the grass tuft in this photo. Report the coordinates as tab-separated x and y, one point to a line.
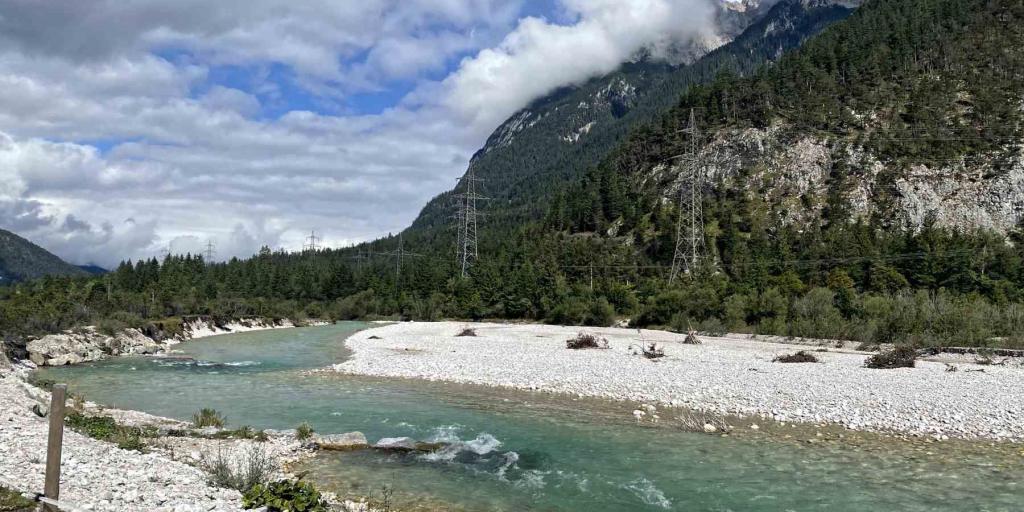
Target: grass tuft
208	418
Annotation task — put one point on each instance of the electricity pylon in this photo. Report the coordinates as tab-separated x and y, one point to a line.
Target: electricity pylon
210	252
466	219
690	246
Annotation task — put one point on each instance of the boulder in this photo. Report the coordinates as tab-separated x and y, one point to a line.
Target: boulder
341	442
399	444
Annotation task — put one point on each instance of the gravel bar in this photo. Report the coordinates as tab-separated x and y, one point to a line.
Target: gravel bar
723	375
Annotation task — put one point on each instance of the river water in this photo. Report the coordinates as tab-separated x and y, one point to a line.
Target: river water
514	451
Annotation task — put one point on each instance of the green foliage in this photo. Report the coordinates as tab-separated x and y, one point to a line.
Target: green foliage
209	418
13	501
285	496
106	428
304	431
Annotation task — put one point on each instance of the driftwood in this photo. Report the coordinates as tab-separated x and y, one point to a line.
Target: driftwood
649	350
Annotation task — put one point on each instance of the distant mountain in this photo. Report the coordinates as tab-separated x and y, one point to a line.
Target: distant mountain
21	260
94	269
552	143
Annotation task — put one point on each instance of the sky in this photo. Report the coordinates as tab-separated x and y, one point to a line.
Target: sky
128	129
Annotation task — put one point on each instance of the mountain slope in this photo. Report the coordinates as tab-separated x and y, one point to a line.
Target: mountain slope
552	142
908	114
22	260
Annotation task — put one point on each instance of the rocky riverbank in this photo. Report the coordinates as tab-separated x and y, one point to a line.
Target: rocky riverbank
171	474
89	344
723	375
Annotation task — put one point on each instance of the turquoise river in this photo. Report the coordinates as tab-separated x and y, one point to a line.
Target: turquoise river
533	452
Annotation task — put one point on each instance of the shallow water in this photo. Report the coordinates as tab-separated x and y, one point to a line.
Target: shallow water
515	451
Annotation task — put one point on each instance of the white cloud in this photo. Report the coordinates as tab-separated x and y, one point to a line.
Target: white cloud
540	56
194	161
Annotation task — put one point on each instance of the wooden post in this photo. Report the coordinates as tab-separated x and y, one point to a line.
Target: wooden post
53	447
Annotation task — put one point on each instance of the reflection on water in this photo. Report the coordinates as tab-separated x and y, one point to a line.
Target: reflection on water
516	451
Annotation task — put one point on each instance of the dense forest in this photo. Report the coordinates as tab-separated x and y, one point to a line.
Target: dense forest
941	79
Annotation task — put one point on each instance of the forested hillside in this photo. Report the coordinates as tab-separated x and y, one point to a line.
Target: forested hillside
833	177
554	141
21	260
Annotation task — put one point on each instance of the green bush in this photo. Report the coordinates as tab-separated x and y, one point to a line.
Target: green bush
96	427
285	496
208	418
304	431
105	428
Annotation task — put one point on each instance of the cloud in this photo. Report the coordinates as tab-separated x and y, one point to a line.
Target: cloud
119	139
540	56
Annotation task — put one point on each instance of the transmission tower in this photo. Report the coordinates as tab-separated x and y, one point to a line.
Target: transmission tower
210	252
466	222
690	248
312	244
400	255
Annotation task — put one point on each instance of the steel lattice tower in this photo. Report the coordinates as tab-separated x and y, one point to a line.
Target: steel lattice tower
690	247
466	223
210	252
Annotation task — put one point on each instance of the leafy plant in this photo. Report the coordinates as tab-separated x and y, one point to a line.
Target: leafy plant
107	429
304	431
285	496
208	418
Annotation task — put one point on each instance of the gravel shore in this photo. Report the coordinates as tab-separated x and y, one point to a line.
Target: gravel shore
95	475
723	375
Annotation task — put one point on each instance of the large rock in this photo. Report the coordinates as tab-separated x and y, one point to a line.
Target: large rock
84	345
342	442
401	444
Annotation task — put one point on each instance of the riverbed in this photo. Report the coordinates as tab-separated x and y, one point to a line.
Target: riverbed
513	451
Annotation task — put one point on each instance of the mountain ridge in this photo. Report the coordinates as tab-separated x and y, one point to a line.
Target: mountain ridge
22	260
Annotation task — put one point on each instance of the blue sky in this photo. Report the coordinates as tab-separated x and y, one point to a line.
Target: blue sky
130	128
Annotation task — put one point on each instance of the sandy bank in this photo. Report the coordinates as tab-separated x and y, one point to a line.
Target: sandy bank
724	375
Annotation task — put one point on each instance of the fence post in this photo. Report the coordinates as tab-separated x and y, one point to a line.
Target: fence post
53	447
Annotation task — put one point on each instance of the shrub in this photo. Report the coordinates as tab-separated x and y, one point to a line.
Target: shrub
467	332
284	496
900	357
239	470
802	356
583	340
208	418
600	313
304	431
